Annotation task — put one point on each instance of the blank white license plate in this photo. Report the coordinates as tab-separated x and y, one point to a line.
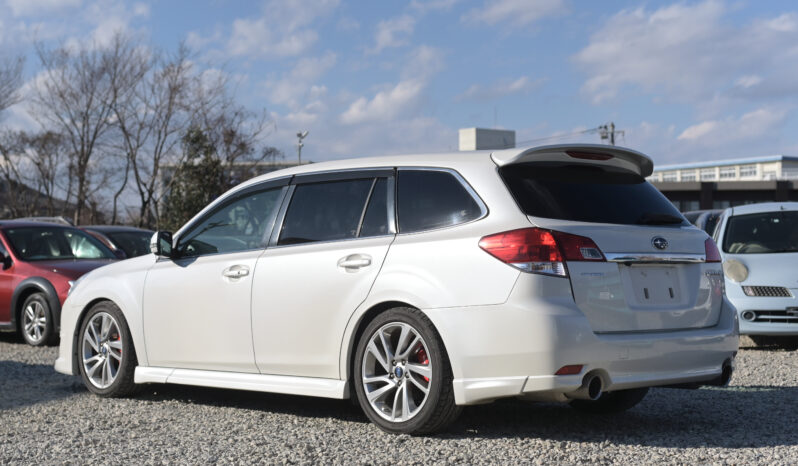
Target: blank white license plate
655	285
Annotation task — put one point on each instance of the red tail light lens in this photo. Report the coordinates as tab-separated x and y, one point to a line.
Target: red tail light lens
711	251
588	155
540	251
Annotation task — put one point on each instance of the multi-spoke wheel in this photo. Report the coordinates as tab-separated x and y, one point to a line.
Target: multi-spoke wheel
36	324
402	375
107	360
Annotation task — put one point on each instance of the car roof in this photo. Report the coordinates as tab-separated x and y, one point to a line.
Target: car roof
763	207
114	228
29	223
628	158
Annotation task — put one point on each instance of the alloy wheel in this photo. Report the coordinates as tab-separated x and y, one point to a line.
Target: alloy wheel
34	321
101	347
396	372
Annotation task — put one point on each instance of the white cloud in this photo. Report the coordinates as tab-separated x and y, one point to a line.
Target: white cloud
424	6
750	126
516	13
502	88
692	53
283	30
385	105
393	33
40	7
422	63
298	83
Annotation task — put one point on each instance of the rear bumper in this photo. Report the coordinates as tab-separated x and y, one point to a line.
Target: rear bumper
511	350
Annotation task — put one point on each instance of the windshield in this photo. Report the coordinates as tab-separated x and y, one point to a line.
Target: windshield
588	193
133	243
762	233
53	243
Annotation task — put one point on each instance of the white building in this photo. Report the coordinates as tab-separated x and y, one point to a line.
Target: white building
771	167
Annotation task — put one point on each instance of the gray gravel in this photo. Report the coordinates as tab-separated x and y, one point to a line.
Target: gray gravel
48	418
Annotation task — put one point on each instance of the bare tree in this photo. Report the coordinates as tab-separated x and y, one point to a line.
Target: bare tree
10	82
151	124
50	160
74	97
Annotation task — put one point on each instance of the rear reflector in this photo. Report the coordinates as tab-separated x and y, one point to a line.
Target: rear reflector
711	251
589	155
569	370
540	251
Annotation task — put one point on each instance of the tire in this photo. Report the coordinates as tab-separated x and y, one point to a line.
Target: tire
36	321
106	356
789	343
612	402
400	405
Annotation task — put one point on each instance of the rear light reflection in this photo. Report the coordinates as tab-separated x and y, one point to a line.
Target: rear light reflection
537	250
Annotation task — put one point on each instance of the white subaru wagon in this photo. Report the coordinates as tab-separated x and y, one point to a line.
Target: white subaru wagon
419	284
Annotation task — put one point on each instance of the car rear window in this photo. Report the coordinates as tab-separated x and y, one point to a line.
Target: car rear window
54	243
588	193
430	199
762	233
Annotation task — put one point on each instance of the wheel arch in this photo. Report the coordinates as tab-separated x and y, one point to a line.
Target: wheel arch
360	326
76	332
28	287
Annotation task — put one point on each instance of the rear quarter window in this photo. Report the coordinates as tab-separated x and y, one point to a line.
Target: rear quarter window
588	193
431	199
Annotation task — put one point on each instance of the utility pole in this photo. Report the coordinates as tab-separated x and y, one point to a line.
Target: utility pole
299	145
607	132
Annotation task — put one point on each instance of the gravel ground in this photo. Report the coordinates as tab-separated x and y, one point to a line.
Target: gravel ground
47	417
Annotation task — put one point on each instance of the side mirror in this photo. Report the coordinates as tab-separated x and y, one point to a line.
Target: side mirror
5	260
161	244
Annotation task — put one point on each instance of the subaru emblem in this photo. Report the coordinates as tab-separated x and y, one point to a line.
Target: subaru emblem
659	242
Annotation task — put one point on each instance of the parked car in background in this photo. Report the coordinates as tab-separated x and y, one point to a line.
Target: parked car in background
706	220
419	284
759	245
125	242
40	262
59	220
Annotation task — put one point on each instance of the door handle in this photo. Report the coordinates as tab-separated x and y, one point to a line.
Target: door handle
236	271
353	262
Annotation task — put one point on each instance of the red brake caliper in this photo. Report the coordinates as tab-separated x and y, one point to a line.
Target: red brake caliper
423	359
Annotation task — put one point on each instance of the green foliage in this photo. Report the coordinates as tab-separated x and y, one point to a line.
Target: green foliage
198	180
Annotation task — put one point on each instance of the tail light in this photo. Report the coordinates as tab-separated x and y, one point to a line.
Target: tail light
537	250
711	251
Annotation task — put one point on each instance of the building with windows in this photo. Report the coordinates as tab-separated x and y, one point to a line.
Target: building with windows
724	183
771	167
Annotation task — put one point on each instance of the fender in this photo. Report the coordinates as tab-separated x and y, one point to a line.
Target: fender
41	285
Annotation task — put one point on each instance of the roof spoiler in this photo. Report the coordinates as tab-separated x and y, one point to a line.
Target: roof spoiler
586	153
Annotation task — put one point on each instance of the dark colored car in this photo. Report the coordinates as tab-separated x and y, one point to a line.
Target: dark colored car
125	242
706	220
40	262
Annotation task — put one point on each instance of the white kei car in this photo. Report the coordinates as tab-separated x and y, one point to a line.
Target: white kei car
419	284
759	244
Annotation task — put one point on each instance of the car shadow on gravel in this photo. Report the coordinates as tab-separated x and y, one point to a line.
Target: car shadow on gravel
731	417
23	384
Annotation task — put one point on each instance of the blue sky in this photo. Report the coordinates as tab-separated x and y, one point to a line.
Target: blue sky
686	81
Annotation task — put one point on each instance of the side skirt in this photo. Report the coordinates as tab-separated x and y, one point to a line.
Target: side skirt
307	386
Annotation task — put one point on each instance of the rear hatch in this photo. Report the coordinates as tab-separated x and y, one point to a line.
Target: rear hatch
650	273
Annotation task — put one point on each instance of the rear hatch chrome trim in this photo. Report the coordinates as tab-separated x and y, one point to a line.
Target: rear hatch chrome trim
655	258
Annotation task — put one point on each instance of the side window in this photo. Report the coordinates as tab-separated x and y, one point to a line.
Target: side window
375	221
429	199
239	225
325	211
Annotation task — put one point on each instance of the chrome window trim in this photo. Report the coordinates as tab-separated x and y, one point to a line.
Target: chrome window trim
655	258
484	211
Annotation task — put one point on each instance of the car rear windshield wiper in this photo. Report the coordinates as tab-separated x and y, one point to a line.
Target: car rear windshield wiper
659	219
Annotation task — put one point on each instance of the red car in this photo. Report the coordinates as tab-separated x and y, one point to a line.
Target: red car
40	261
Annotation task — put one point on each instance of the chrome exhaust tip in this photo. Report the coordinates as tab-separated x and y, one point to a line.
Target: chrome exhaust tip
590	389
